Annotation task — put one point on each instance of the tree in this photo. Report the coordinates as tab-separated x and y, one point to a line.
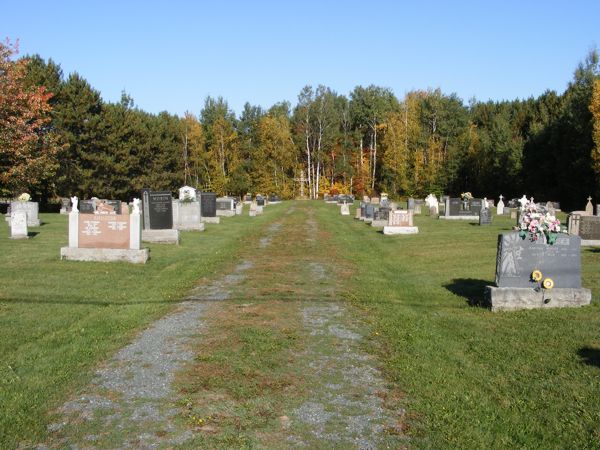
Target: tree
28	147
595	110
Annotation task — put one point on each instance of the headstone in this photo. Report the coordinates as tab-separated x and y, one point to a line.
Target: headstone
463	209
369	212
411	203
500	206
345	210
187	193
484	203
550	208
253	208
400	222
248	198
105	237
274	199
260	200
485	217
186	215
586	227
514	214
523	202
598	210
375	200
239	208
157	210
208	204
363	207
31	210
417	209
589	208
518	258
225	206
65	205
357	213
18	225
87	206
366	199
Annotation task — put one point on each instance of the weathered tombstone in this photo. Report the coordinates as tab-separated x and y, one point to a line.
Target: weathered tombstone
105	237
248	198
514	214
589	208
186	215
550	208
157	208
417	209
345	210
260	200
375	200
411	203
239	208
274	199
500	206
87	206
357	215
400	222
253	209
586	227
517	262
208	208
65	205
18	225
485	216
225	206
31	210
363	207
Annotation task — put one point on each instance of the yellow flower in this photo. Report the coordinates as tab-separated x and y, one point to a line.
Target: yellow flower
536	275
548	283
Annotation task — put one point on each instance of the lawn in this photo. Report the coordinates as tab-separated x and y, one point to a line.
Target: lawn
58	319
470	378
473	378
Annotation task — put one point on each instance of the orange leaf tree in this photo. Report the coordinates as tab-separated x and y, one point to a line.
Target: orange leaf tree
28	147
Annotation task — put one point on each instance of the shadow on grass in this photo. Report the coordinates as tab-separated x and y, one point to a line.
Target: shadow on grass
32	234
590	356
593	250
469	288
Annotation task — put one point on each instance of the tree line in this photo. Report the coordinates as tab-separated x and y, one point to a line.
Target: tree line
59	138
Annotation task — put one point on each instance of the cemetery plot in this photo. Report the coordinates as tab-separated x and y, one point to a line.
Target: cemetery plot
157	210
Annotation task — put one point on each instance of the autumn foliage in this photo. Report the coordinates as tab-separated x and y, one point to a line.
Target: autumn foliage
27	147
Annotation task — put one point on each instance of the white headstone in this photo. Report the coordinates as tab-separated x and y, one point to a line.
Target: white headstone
345	210
589	208
75	202
485	204
18	224
500	206
523	202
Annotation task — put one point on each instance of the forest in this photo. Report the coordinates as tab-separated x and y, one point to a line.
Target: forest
59	138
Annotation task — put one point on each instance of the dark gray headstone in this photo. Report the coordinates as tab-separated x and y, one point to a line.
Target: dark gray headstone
247	198
208	204
455	206
157	208
485	216
225	204
382	213
260	200
517	258
411	203
87	206
369	211
274	198
363	207
475	205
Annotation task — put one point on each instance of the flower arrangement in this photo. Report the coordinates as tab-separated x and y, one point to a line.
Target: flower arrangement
466	196
538	225
24	197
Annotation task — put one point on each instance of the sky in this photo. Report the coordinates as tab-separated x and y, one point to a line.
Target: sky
170	55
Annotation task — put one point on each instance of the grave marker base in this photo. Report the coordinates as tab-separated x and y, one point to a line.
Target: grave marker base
379	223
210	219
225	213
400	230
512	299
161	236
105	254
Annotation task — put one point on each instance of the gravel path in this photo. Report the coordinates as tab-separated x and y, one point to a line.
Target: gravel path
130	402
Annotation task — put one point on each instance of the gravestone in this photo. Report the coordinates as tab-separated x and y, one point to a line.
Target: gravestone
485	217
417	209
225	206
31	210
253	209
516	260
157	210
550	208
462	209
357	214
239	208
186	215
381	217
248	198
87	206
375	200
589	208
208	208
586	227
65	205
369	212
260	200
400	222
157	214
514	214
274	199
345	210
500	206
363	207
105	236
411	203
18	225
366	199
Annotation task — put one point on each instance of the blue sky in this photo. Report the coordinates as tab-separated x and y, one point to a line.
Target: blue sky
170	55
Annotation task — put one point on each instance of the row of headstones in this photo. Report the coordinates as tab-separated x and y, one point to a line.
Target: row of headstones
384	214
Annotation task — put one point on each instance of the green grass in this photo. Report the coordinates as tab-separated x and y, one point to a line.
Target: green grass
473	378
58	319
